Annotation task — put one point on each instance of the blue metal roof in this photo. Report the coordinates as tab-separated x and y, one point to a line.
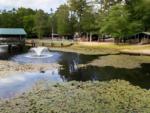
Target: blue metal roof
12	31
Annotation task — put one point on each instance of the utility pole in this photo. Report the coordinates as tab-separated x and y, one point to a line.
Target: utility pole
52	29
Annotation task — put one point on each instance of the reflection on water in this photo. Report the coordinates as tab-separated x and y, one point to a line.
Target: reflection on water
15	84
3	48
137	76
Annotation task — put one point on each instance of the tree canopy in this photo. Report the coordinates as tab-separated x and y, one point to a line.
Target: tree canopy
63	22
117	18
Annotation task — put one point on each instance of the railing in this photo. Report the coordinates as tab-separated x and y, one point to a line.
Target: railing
11	41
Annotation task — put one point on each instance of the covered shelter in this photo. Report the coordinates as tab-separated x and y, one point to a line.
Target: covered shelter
143	38
12	36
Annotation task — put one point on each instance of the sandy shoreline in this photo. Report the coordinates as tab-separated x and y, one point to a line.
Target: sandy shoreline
136	52
10	68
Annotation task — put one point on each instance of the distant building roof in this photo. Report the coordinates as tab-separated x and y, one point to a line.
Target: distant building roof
144	33
140	35
12	31
147	33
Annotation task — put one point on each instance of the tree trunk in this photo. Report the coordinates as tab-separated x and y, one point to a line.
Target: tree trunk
87	37
90	37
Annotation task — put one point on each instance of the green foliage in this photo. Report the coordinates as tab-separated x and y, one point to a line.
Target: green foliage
117	18
20	18
88	21
62	16
34	22
140	10
79	9
78	6
20	14
73	23
115	96
40	24
106	4
29	24
118	24
6	19
52	23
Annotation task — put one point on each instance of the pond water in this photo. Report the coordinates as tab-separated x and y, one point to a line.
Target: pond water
15	84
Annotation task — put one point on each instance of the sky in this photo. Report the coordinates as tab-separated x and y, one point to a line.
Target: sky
46	5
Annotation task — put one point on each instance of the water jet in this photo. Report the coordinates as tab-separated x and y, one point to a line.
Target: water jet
37	55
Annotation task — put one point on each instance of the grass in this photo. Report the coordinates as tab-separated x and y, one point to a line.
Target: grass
115	96
100	48
120	61
91	48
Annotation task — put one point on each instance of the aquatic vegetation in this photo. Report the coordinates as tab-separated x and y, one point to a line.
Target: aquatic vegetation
120	61
115	96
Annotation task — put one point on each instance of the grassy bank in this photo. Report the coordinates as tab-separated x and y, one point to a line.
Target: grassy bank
89	50
100	48
88	97
88	47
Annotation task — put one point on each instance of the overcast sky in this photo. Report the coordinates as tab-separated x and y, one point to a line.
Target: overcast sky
34	4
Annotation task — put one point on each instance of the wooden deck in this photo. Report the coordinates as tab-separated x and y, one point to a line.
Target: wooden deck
12	41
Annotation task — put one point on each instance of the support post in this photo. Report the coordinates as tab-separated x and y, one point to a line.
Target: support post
9	48
20	47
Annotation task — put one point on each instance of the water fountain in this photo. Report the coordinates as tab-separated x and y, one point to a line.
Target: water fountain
39	52
37	55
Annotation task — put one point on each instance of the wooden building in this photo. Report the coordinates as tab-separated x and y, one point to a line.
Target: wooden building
12	36
143	38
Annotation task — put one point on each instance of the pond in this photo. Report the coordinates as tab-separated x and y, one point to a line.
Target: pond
71	70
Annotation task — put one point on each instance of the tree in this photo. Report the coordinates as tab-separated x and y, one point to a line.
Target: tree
28	22
118	18
105	5
73	23
118	24
40	23
21	13
8	19
63	26
140	10
78	7
88	22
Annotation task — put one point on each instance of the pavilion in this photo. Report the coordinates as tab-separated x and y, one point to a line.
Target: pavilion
13	36
143	38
